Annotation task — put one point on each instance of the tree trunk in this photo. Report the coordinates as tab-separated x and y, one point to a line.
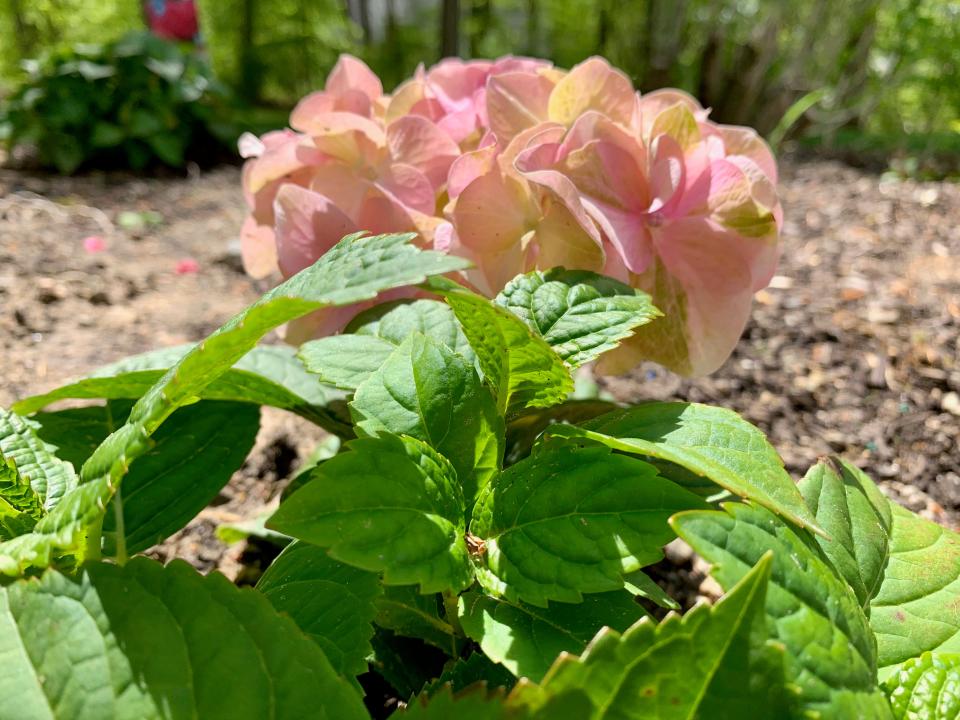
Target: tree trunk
450	28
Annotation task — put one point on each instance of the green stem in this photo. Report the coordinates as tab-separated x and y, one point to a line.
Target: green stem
91	550
120	533
451	605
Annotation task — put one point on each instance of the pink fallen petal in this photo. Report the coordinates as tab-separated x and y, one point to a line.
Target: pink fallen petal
186	266
94	244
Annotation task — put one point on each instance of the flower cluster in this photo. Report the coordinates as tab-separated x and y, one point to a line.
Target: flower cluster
518	165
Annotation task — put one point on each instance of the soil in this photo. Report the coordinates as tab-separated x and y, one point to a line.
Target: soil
854	349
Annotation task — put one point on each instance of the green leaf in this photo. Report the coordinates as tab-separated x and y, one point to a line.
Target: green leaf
707	441
477	668
639	583
714	662
580	314
427	391
405	611
407	664
194	647
49	476
75	433
926	687
830	649
192	457
475	703
333	603
355	269
527	639
20	506
347	360
569	520
916	609
106	135
390	505
521	369
267	375
857	516
524	429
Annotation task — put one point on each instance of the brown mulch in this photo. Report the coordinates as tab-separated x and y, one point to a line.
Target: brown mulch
853	350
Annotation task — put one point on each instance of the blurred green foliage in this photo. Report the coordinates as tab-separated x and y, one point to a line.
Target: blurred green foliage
881	68
134	102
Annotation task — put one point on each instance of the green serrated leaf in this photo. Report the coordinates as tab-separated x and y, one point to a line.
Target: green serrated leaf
714	662
390	505
356	269
406	611
579	313
569	520
192	457
830	649
20	506
195	647
521	369
333	603
395	321
49	476
267	375
427	391
347	360
475	703
708	441
916	609
527	640
926	687
857	516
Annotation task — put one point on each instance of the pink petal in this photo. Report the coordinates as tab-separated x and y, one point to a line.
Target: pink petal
652	104
308	224
249	145
408	186
186	266
94	244
454	81
416	141
516	101
468	167
347	137
562	241
352	74
258	248
592	85
283	153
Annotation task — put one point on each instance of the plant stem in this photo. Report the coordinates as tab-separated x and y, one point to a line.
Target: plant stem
120	534
91	550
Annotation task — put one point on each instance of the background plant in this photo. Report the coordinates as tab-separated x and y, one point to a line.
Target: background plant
130	103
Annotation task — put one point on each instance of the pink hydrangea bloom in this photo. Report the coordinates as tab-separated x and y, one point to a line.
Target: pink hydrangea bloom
518	165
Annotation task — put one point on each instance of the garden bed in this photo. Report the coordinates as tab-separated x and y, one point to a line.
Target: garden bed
853	350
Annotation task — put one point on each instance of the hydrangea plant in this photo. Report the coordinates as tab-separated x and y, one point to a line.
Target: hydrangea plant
477	544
